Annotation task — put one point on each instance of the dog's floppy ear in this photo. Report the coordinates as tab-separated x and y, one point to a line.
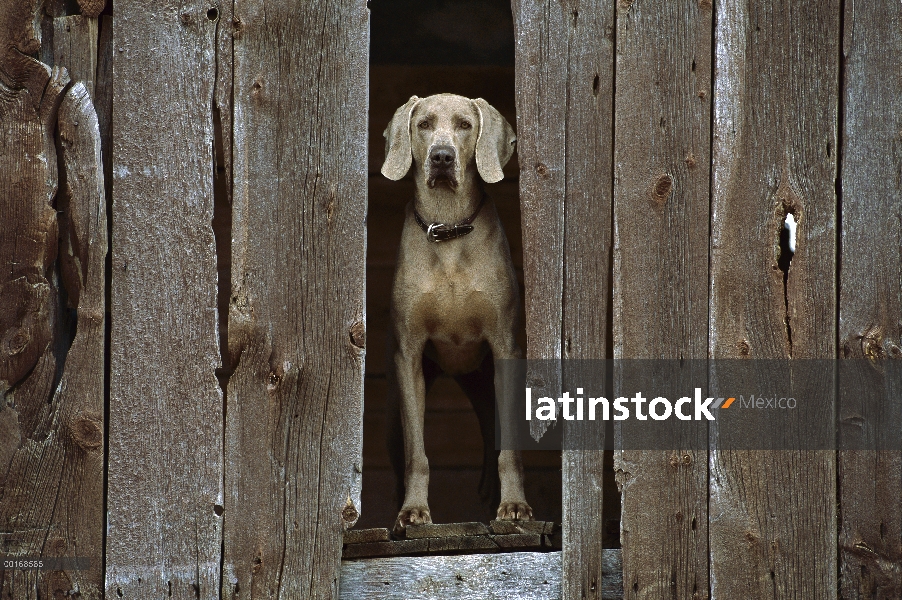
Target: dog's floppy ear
397	142
495	144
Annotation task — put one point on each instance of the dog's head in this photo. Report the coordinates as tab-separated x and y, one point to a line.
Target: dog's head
445	135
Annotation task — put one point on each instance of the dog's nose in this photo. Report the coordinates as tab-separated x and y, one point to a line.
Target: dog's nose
442	156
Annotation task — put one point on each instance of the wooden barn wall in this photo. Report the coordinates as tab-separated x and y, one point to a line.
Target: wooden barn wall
870	291
165	467
296	332
53	249
660	285
773	534
190	418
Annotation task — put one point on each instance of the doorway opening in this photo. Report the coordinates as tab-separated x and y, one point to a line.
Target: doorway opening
463	47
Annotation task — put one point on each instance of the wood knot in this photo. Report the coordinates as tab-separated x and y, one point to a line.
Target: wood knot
743	347
349	514
543	171
662	188
237	27
257	89
273	381
690	160
86	432
358	334
15	340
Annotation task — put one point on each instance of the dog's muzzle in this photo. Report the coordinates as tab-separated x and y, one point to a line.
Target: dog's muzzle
441	165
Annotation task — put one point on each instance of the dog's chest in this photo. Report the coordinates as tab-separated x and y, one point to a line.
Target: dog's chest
455	306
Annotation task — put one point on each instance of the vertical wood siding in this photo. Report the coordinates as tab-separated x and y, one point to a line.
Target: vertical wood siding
661	212
52	258
165	477
870	294
296	315
587	250
661	145
772	530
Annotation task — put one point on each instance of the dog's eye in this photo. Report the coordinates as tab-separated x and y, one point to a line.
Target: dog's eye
424	124
465	125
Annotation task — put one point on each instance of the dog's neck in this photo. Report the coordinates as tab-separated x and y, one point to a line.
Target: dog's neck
441	204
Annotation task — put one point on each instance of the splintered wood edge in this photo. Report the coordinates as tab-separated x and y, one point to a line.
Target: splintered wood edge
514	575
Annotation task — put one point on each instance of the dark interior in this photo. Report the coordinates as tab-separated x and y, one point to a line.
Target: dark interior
423	48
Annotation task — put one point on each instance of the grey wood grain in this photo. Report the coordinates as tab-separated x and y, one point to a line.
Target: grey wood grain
772	525
541	37
165	474
296	318
661	210
589	27
75	47
510	576
52	249
103	104
870	301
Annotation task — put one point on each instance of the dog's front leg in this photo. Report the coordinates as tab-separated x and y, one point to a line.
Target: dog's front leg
513	505
408	363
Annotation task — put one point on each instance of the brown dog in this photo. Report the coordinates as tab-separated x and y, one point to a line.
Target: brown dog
454	296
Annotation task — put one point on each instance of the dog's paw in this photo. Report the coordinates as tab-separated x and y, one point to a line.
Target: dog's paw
417	515
514	511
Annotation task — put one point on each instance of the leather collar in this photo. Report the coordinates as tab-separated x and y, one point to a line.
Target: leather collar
440	232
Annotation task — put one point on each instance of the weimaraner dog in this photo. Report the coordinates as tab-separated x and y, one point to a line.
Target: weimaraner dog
454	296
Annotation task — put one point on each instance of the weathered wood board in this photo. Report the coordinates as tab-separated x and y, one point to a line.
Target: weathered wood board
870	300
661	212
296	317
52	250
772	514
511	576
75	47
165	470
589	29
540	31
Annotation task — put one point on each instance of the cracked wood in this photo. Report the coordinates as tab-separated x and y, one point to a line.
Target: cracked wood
295	338
51	320
661	208
870	302
166	406
772	525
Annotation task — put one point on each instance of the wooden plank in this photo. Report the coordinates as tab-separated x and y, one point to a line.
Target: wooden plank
661	211
435	530
51	324
165	498
587	282
360	536
296	320
540	31
103	104
772	514
509	576
870	301
75	47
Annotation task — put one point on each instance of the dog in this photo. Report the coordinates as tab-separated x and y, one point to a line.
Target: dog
455	301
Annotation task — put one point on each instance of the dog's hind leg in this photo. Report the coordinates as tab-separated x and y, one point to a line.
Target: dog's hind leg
479	387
